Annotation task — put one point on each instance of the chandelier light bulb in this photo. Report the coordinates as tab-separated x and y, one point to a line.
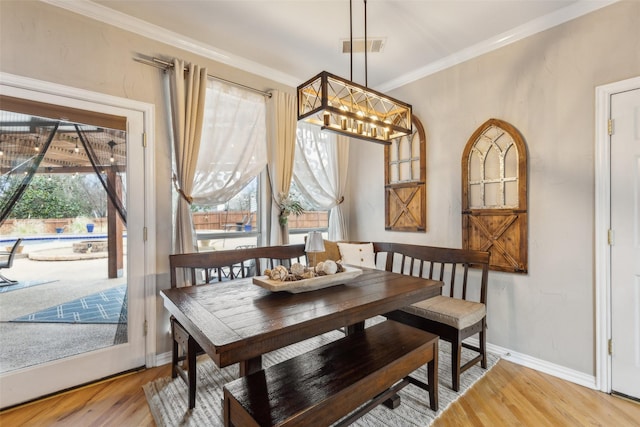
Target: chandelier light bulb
348	108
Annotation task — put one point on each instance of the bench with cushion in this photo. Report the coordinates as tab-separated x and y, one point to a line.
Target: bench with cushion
326	384
457	314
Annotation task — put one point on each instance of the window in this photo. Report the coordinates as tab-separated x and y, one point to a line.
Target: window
231	163
232	156
230	224
313	217
313	178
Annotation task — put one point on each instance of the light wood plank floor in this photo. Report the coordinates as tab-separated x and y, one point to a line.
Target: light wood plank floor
509	395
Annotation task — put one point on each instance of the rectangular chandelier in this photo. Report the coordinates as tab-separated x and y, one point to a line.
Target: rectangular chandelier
341	106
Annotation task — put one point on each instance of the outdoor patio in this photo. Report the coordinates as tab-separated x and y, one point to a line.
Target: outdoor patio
26	344
58	275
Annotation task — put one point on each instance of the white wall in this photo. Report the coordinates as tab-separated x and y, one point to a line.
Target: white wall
544	86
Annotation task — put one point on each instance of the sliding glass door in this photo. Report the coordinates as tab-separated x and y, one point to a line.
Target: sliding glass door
76	312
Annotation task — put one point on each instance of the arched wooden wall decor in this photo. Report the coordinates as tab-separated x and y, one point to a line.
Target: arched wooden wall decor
405	181
494	195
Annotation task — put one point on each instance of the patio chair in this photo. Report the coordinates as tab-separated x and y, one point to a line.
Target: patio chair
6	261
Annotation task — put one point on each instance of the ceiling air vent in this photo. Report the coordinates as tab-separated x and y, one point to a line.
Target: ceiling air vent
373	45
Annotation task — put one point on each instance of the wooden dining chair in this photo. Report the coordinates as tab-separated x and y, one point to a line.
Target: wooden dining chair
457	314
208	268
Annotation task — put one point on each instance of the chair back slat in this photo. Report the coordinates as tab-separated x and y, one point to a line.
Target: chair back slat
452	283
464	280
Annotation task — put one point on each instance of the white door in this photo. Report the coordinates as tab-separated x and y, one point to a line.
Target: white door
625	249
32	382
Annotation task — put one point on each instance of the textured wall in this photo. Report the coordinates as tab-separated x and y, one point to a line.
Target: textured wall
544	86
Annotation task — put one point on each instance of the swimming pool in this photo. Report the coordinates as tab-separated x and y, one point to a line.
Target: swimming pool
41	239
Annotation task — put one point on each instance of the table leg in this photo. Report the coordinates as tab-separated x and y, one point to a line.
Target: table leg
393	402
432	377
356	327
250	366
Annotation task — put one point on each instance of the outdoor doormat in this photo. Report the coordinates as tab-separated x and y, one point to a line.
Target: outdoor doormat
24	284
108	306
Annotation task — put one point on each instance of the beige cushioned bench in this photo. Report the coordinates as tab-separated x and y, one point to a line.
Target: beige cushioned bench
454	312
459	313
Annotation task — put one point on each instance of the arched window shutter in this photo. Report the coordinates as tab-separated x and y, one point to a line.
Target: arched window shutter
494	195
405	181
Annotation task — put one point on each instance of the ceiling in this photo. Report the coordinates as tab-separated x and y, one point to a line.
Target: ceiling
291	41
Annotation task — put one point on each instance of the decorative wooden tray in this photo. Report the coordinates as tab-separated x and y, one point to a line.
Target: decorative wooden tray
306	285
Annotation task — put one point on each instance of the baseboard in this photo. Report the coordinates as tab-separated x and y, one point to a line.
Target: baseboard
163	359
540	365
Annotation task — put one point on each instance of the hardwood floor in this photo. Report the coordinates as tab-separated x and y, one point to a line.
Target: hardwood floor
116	402
512	395
509	395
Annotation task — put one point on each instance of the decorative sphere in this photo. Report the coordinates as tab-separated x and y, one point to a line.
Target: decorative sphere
330	267
297	269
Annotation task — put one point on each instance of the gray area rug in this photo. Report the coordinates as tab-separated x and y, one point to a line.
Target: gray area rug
168	399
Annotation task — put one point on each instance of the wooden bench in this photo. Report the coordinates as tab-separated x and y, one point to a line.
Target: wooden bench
457	314
328	383
211	267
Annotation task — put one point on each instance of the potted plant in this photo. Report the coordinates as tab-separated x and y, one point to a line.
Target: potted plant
288	205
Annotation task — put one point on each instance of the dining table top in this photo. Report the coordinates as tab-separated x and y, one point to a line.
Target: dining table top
235	321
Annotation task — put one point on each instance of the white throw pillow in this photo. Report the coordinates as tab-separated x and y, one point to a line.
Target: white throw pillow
358	254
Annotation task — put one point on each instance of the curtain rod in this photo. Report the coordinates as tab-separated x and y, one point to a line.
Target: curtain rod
162	64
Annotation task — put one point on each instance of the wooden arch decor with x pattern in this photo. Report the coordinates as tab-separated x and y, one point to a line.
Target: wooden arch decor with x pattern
405	181
494	195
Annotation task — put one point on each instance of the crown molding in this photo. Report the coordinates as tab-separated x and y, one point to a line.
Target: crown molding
111	17
575	10
143	28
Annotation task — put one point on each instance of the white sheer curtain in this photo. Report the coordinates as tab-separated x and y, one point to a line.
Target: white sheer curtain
187	108
234	143
320	173
282	142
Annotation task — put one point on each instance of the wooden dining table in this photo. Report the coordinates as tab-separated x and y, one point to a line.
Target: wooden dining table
238	321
